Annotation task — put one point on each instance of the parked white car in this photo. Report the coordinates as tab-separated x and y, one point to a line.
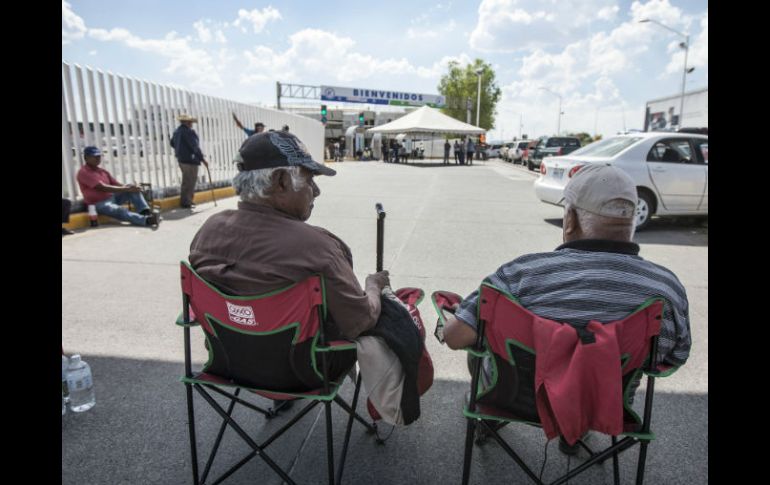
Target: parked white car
670	171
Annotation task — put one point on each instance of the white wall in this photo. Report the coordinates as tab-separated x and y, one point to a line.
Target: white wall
142	153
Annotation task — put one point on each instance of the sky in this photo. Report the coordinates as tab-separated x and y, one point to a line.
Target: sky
595	54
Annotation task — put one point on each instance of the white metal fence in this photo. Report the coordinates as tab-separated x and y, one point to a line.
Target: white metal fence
132	121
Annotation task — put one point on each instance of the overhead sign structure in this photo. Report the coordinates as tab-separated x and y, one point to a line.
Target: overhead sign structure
379	96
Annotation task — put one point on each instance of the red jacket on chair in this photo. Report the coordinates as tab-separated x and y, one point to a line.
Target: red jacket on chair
578	373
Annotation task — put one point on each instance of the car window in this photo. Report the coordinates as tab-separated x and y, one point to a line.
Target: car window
703	146
671	151
608	147
523	144
563	142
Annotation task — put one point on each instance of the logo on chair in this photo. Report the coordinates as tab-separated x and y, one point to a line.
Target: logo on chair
242	315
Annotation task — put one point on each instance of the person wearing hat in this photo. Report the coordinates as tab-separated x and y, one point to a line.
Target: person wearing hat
100	188
189	155
259	127
597	274
266	243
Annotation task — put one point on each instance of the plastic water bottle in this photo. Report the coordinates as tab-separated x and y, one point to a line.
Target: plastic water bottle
64	391
80	385
93	216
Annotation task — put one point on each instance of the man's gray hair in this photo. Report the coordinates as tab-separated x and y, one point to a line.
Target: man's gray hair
253	185
595	224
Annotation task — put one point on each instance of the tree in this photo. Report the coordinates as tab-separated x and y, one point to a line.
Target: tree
460	84
585	138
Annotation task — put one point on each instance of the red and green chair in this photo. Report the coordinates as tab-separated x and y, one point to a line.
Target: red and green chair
270	345
504	336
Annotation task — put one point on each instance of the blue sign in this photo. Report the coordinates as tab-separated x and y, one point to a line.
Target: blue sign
378	96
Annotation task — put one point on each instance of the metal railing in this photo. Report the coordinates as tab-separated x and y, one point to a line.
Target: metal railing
132	122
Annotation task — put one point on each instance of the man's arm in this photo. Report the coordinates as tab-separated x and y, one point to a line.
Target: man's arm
458	334
117	189
237	121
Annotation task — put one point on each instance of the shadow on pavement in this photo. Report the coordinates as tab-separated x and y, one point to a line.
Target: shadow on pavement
137	433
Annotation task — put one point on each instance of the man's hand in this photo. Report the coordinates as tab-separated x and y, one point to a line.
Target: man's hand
132	188
379	280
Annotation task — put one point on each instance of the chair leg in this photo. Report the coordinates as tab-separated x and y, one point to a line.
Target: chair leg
642	460
371	428
254	446
329	442
217	442
348	430
191	426
469	432
615	466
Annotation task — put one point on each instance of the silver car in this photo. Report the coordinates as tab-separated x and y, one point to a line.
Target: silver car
670	171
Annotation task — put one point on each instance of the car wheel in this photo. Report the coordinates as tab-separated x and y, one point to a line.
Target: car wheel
643	210
531	166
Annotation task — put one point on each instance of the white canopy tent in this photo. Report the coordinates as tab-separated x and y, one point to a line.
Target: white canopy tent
429	121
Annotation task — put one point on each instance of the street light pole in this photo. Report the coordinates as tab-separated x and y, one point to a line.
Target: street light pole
686	46
558	122
478	96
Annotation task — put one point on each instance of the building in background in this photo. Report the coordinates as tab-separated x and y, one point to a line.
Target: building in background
663	114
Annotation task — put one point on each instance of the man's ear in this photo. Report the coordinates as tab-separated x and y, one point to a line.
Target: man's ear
571	225
281	180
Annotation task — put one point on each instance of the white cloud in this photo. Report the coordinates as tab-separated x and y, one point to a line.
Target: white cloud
608	13
511	25
660	10
195	64
257	18
72	26
317	54
91	53
423	32
205	35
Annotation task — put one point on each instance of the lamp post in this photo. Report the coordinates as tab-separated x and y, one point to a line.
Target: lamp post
686	46
558	122
479	71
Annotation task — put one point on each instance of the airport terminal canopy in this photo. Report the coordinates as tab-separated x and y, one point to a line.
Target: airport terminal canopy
428	120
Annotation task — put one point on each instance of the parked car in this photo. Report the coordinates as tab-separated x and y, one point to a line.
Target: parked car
493	150
670	171
517	152
505	149
551	146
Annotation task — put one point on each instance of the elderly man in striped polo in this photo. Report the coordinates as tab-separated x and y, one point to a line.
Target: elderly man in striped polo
597	274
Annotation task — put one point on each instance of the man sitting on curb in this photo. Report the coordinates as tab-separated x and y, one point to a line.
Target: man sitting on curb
101	189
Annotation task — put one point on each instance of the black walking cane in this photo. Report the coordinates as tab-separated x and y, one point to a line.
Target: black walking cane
380	233
211	185
380	230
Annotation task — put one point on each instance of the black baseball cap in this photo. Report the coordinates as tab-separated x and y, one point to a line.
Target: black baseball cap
277	149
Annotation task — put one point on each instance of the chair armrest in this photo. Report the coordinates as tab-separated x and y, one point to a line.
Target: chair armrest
662	370
442	301
193	321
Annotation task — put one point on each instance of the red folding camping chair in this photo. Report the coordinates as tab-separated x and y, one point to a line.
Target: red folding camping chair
506	336
272	345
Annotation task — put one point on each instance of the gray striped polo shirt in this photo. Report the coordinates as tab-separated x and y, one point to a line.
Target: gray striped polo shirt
593	280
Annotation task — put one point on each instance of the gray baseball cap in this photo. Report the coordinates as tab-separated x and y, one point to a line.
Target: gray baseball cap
595	185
